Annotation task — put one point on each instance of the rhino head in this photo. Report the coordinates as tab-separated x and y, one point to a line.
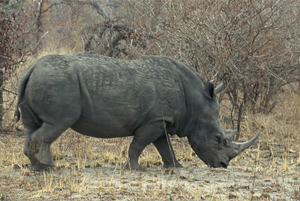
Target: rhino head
211	142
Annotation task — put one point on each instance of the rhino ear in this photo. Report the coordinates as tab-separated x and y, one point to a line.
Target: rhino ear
209	90
219	88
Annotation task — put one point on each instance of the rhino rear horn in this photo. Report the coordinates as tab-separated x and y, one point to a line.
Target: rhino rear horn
230	133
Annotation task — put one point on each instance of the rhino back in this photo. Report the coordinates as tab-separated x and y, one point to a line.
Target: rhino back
114	96
127	94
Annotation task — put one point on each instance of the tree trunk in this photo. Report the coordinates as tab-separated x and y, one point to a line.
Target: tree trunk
1	97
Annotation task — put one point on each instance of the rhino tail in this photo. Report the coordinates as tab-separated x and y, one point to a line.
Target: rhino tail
21	90
84	92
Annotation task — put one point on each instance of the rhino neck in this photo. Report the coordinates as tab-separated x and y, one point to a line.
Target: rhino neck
185	128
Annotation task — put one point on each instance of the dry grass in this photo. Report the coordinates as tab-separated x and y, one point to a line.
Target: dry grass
92	169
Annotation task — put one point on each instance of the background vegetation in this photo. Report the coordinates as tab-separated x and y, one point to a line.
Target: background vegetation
252	46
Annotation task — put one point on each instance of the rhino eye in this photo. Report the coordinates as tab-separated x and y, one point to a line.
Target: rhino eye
218	139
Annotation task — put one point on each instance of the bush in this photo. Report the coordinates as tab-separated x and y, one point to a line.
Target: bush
253	46
250	45
16	44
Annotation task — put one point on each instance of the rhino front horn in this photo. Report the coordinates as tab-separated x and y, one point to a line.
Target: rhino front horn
241	146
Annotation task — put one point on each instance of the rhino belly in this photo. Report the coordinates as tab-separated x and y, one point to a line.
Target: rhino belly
104	127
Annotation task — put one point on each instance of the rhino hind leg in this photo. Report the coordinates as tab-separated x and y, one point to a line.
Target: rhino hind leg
166	152
144	136
30	149
37	145
27	146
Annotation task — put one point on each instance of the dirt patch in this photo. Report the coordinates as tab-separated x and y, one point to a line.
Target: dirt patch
92	169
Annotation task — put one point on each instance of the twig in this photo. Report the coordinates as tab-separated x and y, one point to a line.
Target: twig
37	179
170	147
41	39
9	91
254	177
169	143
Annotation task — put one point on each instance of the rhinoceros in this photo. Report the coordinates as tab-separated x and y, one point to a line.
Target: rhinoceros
105	97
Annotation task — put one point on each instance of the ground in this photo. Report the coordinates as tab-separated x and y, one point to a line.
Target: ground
92	169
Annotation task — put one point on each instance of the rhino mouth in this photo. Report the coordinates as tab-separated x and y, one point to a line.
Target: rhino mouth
224	165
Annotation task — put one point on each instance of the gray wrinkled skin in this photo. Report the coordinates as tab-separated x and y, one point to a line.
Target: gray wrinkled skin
106	98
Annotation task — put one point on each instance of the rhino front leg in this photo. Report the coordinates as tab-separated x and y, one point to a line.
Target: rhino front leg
166	152
135	149
144	136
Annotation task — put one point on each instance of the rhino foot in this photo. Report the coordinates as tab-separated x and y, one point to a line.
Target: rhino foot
39	167
140	168
40	160
171	165
133	166
44	156
35	165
